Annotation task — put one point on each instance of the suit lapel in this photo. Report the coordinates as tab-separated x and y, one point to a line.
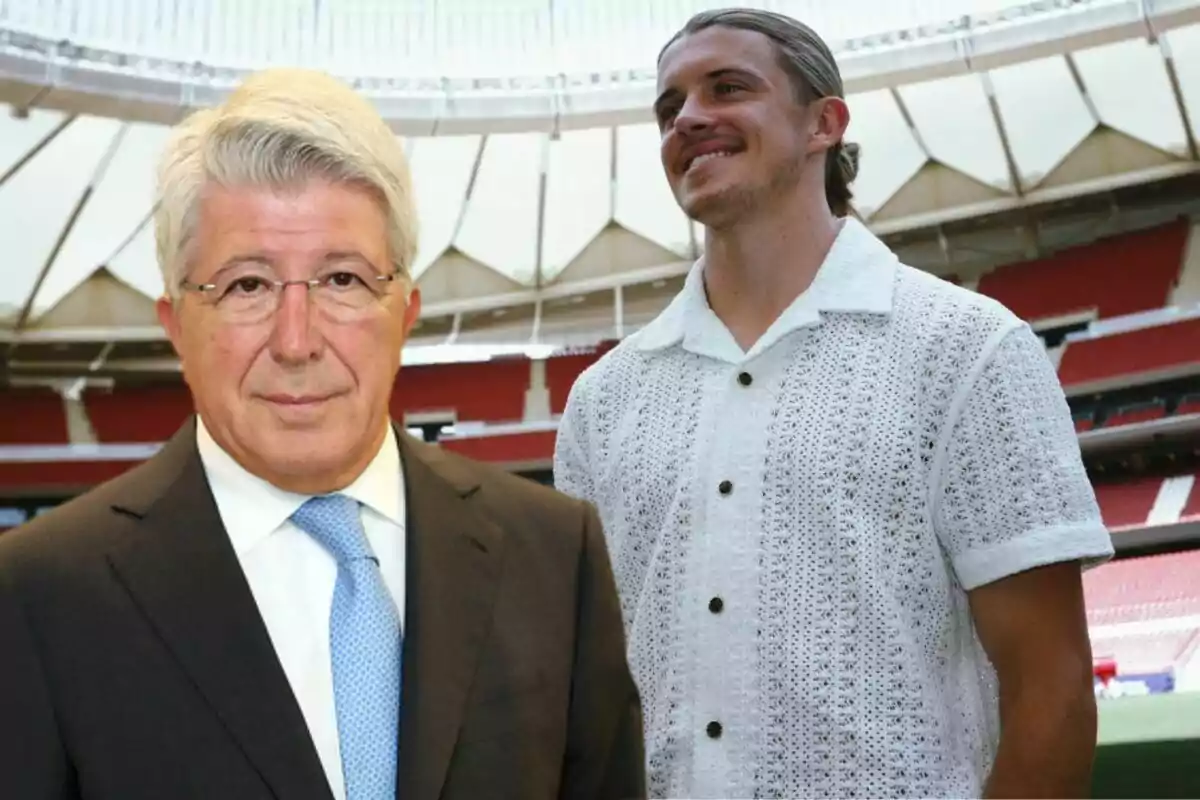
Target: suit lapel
453	570
183	574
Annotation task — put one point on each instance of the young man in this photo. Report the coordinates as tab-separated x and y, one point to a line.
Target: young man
844	499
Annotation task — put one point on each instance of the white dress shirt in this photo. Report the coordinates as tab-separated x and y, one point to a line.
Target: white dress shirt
292	577
794	528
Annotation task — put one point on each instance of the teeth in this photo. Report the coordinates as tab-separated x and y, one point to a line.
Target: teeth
708	157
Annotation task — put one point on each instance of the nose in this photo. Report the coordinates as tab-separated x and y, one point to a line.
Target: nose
295	338
693	116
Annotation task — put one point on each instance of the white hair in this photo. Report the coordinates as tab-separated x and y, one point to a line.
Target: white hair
279	129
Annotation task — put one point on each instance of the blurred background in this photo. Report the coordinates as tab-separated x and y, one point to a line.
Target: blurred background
1043	153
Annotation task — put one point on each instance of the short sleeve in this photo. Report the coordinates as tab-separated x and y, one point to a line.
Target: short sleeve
1010	492
572	466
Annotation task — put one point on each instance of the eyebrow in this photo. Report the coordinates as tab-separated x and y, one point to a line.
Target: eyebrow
348	255
242	261
260	260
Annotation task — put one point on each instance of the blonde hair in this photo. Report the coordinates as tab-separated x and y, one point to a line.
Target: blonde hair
279	129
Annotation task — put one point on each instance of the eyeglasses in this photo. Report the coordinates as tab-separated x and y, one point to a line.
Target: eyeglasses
252	295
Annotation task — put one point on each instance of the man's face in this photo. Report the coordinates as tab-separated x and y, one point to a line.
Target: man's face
733	132
298	396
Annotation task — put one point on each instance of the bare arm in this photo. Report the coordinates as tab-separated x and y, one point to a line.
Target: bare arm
1018	517
1034	630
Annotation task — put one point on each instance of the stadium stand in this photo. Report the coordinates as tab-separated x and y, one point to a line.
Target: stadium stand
1141	354
1144	616
32	416
1094	278
137	413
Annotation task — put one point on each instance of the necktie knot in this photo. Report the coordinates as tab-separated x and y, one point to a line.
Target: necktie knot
334	521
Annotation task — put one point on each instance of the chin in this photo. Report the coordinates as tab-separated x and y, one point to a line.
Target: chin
714	209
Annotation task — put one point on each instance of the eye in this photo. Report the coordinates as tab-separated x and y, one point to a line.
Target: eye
249	284
665	116
346	281
726	88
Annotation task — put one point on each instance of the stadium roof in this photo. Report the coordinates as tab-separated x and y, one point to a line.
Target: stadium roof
991	131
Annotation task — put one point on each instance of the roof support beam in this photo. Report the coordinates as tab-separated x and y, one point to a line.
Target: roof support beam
539	249
619	311
1010	162
1077	76
1189	132
898	99
80	204
37	148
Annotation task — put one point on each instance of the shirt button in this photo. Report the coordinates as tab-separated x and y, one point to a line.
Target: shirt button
725	487
745	379
716	605
714	730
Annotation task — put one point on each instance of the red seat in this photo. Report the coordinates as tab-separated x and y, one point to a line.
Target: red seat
32	416
1138	589
1189	405
562	372
485	391
1121	275
1139	413
1147	350
1127	504
142	414
1191	509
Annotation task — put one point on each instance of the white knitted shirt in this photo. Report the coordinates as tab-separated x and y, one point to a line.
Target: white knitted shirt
794	529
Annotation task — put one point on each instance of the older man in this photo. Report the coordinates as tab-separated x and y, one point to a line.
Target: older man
294	599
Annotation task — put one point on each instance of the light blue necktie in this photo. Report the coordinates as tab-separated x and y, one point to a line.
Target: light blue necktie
365	647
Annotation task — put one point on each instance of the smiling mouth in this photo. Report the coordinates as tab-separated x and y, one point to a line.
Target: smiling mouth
705	158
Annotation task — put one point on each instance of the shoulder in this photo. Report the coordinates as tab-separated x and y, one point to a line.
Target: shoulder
948	306
503	497
79	533
956	327
69	539
617	380
613	369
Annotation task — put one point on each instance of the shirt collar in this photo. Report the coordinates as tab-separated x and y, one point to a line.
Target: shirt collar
857	276
252	508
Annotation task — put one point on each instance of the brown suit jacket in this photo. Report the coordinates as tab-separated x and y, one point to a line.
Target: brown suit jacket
134	662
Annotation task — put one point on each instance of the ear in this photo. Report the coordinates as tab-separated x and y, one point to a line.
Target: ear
829	118
412	309
168	317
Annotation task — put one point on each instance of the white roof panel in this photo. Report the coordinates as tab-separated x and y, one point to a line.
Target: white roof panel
36	203
19	136
578	196
120	202
955	122
137	264
1128	83
441	167
1029	96
890	154
644	203
492	201
500	225
1184	45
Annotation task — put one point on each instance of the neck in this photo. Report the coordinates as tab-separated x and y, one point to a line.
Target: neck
755	268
